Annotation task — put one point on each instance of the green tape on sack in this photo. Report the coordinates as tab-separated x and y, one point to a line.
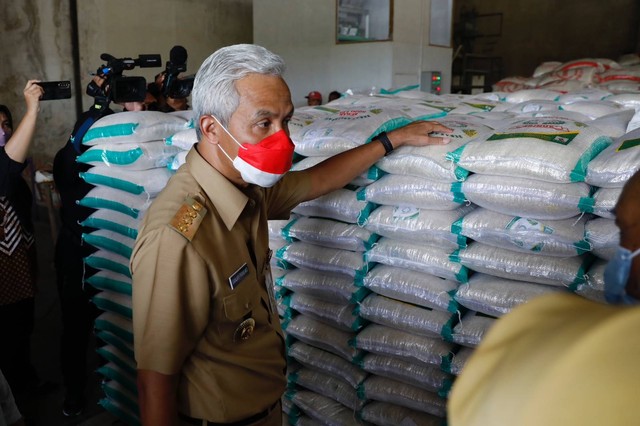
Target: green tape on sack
374	173
580	277
359	295
463	275
285	231
118	412
108	244
110	356
123	129
445	363
444	390
402	89
371	241
447	329
458	195
104	283
456	227
362	394
116	342
455	155
455	256
364	214
119	158
586	204
361	195
453	305
460	173
112	182
92	222
109	305
116	395
462	241
99	203
110	265
582	247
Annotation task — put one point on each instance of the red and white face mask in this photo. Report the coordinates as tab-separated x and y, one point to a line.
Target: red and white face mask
264	163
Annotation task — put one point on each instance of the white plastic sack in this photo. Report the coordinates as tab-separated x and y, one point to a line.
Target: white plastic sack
550	149
327	362
104	197
528	198
370	175
614	166
338	315
410	191
184	139
130	156
330	287
430	227
593	288
324	259
329	233
327	385
115	221
387	390
604	202
604	236
149	182
342	205
323	336
472	328
386	414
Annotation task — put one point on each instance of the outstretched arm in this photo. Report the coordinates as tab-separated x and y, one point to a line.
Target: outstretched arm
339	170
18	145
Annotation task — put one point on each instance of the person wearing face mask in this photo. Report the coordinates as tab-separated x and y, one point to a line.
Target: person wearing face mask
18	261
562	359
208	343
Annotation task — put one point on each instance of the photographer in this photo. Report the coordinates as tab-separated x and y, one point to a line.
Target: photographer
78	312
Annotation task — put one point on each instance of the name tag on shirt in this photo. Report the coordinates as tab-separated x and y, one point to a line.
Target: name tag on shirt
240	274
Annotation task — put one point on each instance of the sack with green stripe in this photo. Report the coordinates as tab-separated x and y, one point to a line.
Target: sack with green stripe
404	316
110	241
430	162
342	204
329	233
413	287
115	221
320	359
134	127
604	201
108	198
497	296
324	259
327	286
499	262
342	315
325	384
472	328
614	166
551	149
384	413
563	238
138	182
593	288
370	175
130	156
604	236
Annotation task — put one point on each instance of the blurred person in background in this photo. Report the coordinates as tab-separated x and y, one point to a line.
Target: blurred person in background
314	98
18	260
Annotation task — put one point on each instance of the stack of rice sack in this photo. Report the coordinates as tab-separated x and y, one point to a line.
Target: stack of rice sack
129	160
368	341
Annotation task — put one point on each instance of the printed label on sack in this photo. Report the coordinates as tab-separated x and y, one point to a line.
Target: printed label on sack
521	225
629	143
405	212
561	138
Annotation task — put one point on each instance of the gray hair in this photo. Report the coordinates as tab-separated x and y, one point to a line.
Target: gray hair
214	90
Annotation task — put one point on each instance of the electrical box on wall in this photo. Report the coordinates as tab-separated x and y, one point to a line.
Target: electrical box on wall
431	82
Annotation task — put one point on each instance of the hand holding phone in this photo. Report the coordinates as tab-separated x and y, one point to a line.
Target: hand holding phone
54	90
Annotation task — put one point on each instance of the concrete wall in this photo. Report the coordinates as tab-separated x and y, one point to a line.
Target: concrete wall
37	43
534	31
305	36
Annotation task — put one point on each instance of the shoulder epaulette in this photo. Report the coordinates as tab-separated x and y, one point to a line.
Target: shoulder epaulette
189	217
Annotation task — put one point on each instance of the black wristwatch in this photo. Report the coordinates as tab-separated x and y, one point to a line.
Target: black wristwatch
386	143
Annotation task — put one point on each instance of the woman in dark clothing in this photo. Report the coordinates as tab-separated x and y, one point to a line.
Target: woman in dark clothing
17	249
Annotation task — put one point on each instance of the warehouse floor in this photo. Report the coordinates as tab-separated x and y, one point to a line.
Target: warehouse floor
46	410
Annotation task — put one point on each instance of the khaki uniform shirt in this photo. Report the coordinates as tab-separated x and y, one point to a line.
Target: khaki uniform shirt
200	306
557	360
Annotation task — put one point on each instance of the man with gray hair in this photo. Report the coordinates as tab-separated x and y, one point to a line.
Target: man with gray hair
208	343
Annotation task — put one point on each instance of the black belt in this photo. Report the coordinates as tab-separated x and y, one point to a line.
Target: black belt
244	422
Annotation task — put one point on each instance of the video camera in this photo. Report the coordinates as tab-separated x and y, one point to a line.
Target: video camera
118	88
172	86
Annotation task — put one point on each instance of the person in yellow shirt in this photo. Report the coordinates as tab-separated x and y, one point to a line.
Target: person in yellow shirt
562	359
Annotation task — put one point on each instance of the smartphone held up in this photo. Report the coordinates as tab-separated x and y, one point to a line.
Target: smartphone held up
54	90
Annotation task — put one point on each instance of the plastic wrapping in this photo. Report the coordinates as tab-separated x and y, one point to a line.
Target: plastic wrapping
327	385
555	271
564	238
325	286
113	372
324	259
383	340
327	362
428	162
528	198
425	377
495	296
323	336
339	315
329	233
396	190
120	410
116	391
119	358
460	359
425	259
130	156
275	228
550	149
472	328
323	409
110	261
604	236
604	202
387	390
406	317
615	165
117	342
412	287
386	414
342	205
431	227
